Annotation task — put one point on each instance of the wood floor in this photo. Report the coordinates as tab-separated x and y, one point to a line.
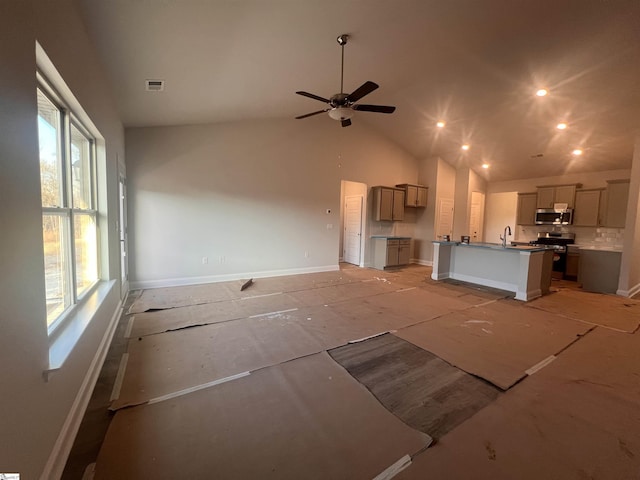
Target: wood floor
546	389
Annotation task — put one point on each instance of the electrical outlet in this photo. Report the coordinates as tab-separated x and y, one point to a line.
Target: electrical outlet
205	260
306	254
222	259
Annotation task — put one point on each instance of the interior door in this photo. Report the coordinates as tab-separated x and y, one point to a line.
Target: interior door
444	224
124	262
352	229
476	217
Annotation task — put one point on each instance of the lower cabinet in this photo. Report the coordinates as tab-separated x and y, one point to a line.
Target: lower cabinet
391	252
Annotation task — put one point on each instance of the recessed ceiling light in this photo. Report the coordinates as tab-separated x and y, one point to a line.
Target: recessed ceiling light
576	152
561	126
465	147
542	92
485	165
440	124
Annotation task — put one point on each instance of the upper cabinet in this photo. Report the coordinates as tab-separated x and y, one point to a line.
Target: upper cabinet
615	204
415	195
526	214
388	204
548	196
587	208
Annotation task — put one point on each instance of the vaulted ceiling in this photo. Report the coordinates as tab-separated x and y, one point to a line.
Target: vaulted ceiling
475	64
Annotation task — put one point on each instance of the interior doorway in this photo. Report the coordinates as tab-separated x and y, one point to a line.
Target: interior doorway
352	214
352	247
476	217
444	218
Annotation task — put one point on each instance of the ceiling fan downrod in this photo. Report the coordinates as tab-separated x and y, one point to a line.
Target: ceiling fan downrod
342	41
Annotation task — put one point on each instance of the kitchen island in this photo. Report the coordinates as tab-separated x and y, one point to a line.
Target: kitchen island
522	269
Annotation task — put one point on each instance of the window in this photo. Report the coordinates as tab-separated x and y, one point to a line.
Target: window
69	214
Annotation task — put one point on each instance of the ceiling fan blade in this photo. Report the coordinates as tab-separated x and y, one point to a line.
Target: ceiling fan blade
365	89
346	122
313	113
374	108
315	97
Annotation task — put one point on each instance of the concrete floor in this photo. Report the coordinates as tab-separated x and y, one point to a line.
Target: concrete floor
444	459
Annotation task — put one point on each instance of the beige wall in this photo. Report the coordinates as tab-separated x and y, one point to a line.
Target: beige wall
253	193
34	411
467	181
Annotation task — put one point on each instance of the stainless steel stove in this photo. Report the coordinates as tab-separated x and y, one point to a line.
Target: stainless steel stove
559	241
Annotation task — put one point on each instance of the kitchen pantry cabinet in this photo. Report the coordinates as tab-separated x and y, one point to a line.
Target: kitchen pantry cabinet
391	252
615	208
414	195
548	196
587	208
388	204
526	214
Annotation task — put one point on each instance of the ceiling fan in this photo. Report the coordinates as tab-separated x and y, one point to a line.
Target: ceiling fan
342	105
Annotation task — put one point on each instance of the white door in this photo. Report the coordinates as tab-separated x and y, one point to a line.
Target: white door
444	223
476	217
352	229
124	262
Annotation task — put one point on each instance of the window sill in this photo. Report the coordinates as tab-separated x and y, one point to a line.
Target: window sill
65	338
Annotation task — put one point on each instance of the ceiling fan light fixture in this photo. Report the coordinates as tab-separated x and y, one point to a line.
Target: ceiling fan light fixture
341	113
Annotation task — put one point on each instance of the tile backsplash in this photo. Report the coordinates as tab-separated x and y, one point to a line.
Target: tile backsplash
584	235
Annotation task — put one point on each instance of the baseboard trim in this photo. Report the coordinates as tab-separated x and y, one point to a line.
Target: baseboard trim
426	263
176	282
61	449
629	293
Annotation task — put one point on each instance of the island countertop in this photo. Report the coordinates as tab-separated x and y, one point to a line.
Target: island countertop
498	246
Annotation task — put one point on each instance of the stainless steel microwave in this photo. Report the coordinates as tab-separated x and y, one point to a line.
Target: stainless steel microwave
550	216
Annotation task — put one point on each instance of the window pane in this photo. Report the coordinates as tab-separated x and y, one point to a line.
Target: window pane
50	157
86	251
54	228
80	169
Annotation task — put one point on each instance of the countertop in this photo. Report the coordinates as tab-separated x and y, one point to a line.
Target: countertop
391	237
498	246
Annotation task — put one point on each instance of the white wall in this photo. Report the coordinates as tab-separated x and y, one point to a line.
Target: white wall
629	282
34	411
467	181
500	211
252	192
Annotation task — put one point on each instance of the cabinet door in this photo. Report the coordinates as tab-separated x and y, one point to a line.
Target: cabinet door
383	209
526	209
565	194
573	260
411	198
587	208
404	252
398	205
422	197
546	197
392	253
616	208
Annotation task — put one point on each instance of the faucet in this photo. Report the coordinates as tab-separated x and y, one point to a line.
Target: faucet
507	231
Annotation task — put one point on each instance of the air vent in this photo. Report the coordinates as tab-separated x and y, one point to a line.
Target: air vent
154	85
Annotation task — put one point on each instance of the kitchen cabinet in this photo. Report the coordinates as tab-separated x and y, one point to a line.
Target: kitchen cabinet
587	208
415	195
391	252
573	261
615	205
599	269
388	204
526	214
548	196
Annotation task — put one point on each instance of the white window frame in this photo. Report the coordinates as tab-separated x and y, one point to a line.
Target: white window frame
68	210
